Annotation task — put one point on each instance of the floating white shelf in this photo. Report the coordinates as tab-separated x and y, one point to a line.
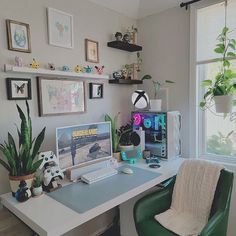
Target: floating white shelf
58	73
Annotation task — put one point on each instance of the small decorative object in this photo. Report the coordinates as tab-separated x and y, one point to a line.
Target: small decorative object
223	87
117	75
91	51
65	68
24	155
156	104
95	90
18	61
99	69
88	69
146	154
34	64
124	74
60	96
23	193
131	156
51	66
37	188
18	36
132	31
78	69
140	99
60	28
118	36
18	89
126	38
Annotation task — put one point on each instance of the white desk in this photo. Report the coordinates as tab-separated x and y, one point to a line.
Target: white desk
47	217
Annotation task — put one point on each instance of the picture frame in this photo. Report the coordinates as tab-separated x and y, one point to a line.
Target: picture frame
60	28
18	89
95	90
58	96
18	36
91	51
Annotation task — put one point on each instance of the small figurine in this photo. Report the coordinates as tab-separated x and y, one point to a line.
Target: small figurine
78	69
34	64
18	61
51	66
88	69
126	38
23	193
99	69
65	68
118	36
117	75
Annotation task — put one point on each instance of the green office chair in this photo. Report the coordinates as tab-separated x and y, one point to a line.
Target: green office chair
146	208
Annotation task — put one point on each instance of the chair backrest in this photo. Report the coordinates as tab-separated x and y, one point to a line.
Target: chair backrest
223	192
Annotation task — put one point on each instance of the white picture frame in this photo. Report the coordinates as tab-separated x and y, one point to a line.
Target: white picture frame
60	28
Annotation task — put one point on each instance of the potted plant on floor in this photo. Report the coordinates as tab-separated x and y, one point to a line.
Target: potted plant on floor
37	186
155	104
222	88
20	159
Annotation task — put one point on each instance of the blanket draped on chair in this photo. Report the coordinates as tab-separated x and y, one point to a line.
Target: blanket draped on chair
192	198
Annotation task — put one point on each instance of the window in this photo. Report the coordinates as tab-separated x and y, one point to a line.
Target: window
216	134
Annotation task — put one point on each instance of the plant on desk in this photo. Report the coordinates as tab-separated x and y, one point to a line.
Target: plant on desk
20	161
37	186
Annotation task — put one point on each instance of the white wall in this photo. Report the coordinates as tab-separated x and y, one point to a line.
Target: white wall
90	21
165	41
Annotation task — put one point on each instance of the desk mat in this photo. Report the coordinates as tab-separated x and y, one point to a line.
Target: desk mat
82	197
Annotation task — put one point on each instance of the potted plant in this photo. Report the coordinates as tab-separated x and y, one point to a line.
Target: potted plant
155	104
125	133
37	186
19	160
222	88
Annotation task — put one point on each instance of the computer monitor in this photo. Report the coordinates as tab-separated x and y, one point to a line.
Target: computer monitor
79	144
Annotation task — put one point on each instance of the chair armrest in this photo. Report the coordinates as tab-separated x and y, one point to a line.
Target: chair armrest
215	226
153	203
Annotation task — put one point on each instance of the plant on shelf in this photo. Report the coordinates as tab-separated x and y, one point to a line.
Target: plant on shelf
222	87
37	186
155	104
20	159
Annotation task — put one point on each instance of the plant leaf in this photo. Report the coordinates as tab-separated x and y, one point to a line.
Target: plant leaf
5	165
38	143
206	83
202	104
145	77
231	54
36	165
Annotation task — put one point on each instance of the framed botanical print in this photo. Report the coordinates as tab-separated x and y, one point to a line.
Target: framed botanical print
18	36
60	28
91	51
18	89
60	96
95	90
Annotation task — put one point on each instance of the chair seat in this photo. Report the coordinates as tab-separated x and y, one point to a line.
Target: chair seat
152	228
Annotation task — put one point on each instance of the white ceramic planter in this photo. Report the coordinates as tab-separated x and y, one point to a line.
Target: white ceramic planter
223	103
155	104
37	191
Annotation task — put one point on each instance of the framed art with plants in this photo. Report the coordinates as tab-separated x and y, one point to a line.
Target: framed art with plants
18	89
18	36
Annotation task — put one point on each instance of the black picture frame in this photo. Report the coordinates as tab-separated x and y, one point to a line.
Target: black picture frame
95	90
18	89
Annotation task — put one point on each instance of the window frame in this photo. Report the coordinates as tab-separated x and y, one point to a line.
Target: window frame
196	115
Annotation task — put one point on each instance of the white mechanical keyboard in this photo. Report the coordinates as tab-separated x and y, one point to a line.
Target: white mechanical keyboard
98	175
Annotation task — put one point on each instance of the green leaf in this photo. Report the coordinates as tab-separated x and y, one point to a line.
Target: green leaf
38	143
169	81
145	77
233	41
225	30
5	165
206	83
231	54
36	165
219	50
226	63
202	104
231	45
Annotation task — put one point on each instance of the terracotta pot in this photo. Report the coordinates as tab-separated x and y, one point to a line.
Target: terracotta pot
117	156
15	181
155	104
223	103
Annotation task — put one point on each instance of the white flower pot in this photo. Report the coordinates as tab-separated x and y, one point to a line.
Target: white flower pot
155	104
223	103
37	191
126	147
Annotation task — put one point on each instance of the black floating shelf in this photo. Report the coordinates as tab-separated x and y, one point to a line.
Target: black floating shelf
124	46
125	81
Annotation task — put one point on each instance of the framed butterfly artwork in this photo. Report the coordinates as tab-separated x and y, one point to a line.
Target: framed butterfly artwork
18	89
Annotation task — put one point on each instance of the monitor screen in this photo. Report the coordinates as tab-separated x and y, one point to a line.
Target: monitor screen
80	144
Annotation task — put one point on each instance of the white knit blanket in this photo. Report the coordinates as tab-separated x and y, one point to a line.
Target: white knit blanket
192	198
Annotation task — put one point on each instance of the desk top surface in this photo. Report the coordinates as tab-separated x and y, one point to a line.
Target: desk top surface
49	217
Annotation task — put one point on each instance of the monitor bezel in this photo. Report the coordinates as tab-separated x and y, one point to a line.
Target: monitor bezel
87	162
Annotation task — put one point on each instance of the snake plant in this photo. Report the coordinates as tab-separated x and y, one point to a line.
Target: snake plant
20	160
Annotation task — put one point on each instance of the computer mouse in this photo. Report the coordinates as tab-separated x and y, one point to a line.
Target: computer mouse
127	170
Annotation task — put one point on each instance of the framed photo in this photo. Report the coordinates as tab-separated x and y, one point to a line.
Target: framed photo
60	28
95	90
60	96
91	51
18	36
18	89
